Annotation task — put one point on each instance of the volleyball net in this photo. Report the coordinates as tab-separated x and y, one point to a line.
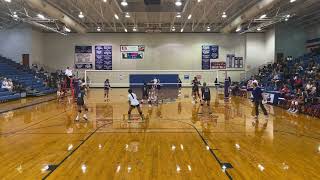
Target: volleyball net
167	78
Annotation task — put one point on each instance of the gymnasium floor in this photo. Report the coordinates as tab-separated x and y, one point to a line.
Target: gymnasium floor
178	140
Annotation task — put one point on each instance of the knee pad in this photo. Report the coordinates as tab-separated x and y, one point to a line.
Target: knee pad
79	111
292	102
296	103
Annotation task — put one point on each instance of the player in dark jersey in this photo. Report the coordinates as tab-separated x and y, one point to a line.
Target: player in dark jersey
145	91
195	89
81	104
107	87
205	93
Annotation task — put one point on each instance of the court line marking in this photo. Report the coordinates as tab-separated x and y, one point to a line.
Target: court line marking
25	106
24	128
210	149
74	150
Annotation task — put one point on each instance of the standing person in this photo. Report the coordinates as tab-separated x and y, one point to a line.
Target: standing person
107	87
257	99
145	91
81	104
205	93
68	74
133	103
195	89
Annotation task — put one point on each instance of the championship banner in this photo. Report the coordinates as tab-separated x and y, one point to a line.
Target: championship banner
230	60
238	62
132	52
209	53
103	57
83	57
218	65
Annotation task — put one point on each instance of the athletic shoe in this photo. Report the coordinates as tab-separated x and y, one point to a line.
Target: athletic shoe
289	109
77	118
295	111
85	117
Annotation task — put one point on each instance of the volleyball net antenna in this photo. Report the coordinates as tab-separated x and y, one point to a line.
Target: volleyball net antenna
167	78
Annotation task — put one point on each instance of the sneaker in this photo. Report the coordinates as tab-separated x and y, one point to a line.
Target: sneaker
289	109
85	117
295	111
77	118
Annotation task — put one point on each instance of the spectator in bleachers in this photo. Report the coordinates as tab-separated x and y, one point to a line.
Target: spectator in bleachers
10	85
4	84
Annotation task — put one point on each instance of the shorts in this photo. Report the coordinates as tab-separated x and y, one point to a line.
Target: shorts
206	99
80	102
195	89
145	94
135	106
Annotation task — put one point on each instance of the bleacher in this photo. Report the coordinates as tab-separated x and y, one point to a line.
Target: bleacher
24	76
6	95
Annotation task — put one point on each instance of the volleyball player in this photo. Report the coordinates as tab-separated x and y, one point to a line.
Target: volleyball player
195	89
205	93
145	91
133	103
80	102
107	87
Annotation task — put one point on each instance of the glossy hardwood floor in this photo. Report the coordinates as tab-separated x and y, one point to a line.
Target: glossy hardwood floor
177	140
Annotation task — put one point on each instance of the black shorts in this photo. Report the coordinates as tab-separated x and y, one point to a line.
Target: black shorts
145	94
206	99
195	89
106	89
136	106
80	102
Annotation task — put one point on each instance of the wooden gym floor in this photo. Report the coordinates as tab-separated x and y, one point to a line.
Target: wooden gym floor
178	140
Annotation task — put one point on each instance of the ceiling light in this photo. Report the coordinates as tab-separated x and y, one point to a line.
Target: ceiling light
127	15
173	29
105	1
263	16
7	1
288	15
134	29
124	3
125	30
224	15
208	29
199	1
181	30
286	19
67	29
190	15
15	15
41	16
81	15
99	29
258	29
238	29
178	3
116	16
291	1
178	15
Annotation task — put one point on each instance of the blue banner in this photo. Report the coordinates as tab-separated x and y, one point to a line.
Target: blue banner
103	57
209	52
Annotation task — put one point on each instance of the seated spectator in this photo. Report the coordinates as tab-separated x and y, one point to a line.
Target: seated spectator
285	91
10	85
4	84
298	84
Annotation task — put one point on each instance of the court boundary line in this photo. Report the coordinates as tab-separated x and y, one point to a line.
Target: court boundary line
210	149
74	150
25	106
24	128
